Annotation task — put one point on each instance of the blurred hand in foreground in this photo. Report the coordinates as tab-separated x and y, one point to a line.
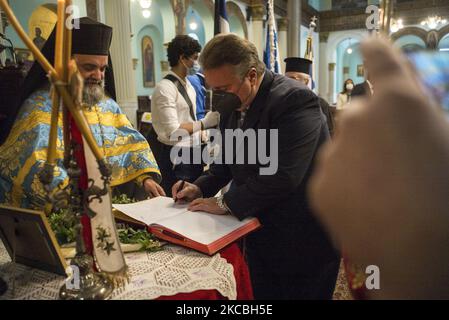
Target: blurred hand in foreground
382	187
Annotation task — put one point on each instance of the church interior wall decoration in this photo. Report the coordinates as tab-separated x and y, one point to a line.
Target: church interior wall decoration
41	24
148	62
360	70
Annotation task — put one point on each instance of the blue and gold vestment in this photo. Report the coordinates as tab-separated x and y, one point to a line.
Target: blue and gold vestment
24	153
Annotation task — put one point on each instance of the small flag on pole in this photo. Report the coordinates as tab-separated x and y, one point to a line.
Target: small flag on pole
221	18
271	54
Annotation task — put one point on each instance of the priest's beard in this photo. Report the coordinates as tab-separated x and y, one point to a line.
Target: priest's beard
93	92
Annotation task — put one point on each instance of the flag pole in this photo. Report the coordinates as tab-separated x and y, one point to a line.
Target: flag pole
217	17
271	54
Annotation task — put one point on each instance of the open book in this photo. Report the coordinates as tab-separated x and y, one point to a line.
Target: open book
172	222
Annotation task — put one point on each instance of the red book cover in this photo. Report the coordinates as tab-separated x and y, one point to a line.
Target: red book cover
200	231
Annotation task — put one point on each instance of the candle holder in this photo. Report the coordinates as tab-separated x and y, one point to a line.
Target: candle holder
89	285
75	198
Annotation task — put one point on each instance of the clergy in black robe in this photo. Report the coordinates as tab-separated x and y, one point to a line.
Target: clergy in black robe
290	257
300	69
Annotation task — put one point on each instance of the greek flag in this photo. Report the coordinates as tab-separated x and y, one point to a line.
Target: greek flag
271	54
221	18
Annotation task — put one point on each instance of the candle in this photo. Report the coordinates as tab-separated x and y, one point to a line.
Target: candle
66	59
60	41
60	67
67	54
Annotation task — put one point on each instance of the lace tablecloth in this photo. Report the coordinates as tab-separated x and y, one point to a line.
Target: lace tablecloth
165	273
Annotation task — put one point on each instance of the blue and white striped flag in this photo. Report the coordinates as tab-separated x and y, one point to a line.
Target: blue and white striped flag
271	54
221	18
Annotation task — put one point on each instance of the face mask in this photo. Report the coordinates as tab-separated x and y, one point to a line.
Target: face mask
349	86
194	69
225	103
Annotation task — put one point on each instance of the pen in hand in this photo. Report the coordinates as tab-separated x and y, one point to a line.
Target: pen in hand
179	189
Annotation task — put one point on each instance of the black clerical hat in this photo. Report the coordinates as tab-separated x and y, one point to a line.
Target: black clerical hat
298	65
92	37
88	37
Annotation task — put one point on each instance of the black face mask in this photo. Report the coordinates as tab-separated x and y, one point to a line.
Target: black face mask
225	103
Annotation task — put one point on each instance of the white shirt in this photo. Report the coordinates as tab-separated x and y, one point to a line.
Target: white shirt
169	110
342	101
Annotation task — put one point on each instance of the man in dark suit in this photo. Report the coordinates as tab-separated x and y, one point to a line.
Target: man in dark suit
290	257
364	89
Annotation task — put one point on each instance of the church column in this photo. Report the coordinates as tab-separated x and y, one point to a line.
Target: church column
92	9
330	94
257	20
180	11
283	41
117	14
100	11
294	28
322	88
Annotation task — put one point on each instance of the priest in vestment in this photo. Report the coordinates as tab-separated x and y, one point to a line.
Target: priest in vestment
23	154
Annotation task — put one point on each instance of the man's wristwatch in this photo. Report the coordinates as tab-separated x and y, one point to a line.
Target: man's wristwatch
222	205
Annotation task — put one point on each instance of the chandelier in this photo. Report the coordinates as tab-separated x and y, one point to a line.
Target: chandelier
145	5
193	24
396	25
433	22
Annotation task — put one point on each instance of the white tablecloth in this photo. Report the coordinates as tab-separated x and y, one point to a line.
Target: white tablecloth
166	273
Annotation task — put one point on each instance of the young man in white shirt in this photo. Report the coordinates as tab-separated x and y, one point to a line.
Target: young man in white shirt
174	114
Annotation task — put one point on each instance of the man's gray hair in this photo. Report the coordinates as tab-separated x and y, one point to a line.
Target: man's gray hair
94	93
231	49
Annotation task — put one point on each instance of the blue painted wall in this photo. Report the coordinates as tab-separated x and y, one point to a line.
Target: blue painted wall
410	40
193	16
444	43
153	27
236	26
321	5
352	61
346	60
203	13
155	35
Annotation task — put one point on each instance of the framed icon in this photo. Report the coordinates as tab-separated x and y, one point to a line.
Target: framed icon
29	240
148	62
360	70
